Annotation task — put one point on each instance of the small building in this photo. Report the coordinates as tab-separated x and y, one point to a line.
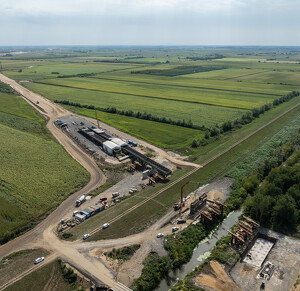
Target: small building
111	148
89	211
80	217
85	213
119	142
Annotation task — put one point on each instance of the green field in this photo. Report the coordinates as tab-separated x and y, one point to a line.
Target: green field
208	86
198	113
162	135
19	262
222	98
32	179
49	276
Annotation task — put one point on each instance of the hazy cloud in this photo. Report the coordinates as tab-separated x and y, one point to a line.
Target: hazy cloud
104	22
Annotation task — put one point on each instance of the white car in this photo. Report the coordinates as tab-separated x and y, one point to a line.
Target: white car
105	225
85	236
175	228
159	235
38	260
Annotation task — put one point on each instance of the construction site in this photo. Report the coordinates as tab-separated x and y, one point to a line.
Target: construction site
110	148
271	261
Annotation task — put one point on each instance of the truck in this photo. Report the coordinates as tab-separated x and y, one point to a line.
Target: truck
80	200
132	143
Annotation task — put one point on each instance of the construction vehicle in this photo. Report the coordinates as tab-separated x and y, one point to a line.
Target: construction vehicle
176	206
181	203
80	200
98	123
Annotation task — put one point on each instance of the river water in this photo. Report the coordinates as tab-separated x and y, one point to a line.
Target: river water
201	252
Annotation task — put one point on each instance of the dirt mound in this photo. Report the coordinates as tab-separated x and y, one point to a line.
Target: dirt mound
218	280
215	194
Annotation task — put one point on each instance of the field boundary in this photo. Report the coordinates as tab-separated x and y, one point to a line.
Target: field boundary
184	86
194	170
145	96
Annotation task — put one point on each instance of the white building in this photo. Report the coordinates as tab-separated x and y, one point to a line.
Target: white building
119	142
111	148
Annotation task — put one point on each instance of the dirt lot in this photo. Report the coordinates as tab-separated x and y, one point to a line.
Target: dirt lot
285	255
222	185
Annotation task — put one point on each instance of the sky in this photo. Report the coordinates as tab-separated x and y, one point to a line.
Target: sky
150	22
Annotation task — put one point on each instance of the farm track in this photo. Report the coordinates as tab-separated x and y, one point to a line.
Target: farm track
184	86
245	75
195	169
143	96
96	179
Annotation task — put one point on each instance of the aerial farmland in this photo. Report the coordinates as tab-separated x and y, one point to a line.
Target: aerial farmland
147	124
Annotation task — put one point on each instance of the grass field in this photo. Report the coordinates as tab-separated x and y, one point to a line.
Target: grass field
162	135
32	179
240	100
49	277
17	263
199	114
245	78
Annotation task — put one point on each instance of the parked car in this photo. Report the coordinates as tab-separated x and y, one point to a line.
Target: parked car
103	199
159	235
175	228
181	221
133	190
38	260
85	236
75	212
105	225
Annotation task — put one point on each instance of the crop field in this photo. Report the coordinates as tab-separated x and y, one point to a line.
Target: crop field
208	86
31	169
239	100
200	114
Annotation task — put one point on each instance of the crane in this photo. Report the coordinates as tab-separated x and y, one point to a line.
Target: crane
97	119
181	192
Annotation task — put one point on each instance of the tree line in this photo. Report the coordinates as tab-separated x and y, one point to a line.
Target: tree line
214	132
211	133
130	113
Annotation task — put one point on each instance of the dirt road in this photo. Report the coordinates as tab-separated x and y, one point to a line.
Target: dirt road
43	235
52	112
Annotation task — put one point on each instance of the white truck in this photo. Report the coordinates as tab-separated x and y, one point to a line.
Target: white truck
115	194
80	200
